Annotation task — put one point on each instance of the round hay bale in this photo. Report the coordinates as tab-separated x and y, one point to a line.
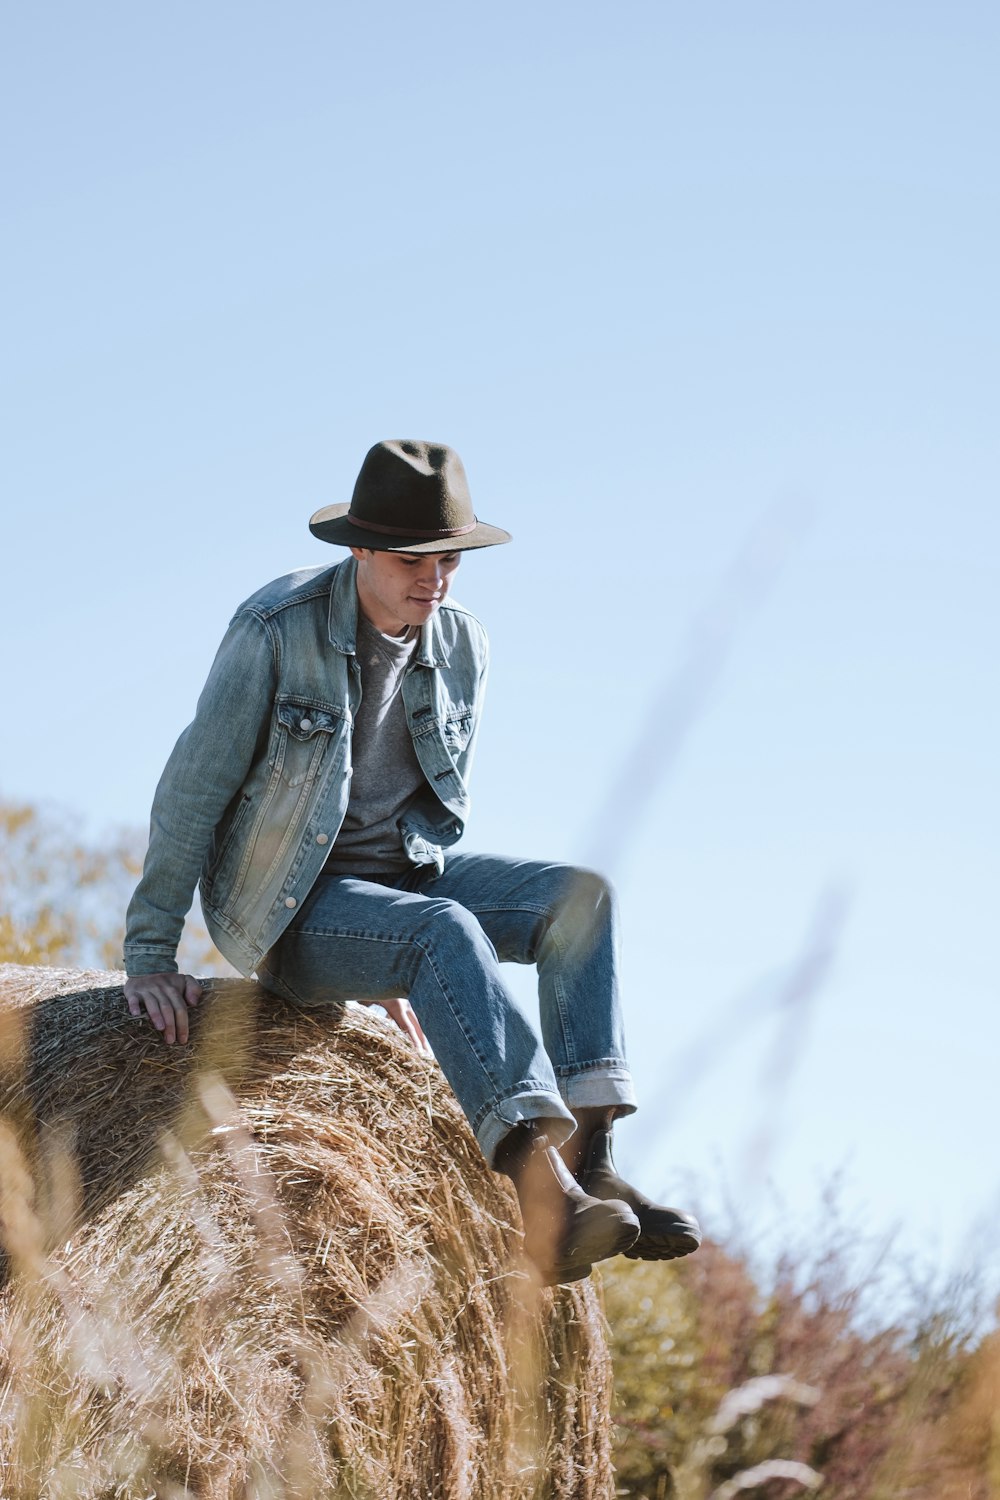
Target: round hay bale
271	1263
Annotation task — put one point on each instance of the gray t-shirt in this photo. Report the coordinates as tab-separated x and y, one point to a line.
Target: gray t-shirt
387	775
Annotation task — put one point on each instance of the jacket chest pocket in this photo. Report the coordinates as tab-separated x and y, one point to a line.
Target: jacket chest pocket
304	734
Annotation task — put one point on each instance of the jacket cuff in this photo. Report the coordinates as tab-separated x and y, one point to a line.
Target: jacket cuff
150	961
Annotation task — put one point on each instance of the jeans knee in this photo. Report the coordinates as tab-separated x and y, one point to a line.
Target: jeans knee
451	925
588	890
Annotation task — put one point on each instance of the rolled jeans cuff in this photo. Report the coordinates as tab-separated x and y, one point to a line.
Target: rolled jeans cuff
537	1103
606	1084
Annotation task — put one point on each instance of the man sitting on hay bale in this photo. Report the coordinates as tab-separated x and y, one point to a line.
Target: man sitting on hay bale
318	795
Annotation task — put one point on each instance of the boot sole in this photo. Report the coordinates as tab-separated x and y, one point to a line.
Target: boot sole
665	1233
668	1246
676	1236
566	1277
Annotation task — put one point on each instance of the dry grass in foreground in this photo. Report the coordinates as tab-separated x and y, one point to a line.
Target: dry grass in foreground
270	1264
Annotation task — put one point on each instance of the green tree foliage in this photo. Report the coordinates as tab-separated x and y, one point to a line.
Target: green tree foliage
63	897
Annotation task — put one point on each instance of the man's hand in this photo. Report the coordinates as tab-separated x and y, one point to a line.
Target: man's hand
401	1014
165	998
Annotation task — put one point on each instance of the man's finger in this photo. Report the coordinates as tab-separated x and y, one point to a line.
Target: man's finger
408	1031
154	1012
166	1010
420	1041
165	998
401	1015
413	1029
180	1018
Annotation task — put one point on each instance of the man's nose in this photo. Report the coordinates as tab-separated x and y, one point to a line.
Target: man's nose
431	574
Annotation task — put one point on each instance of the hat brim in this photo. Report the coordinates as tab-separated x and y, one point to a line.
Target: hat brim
331	524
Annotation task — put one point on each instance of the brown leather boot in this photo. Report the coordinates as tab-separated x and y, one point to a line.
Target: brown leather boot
565	1229
664	1233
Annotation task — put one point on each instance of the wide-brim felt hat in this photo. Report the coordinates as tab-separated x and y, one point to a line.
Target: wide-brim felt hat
410	496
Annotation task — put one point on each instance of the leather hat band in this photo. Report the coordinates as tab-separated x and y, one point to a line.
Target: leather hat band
411	530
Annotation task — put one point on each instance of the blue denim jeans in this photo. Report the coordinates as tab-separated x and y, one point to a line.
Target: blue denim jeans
440	940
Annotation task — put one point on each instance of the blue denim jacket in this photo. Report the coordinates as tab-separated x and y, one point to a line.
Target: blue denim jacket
256	788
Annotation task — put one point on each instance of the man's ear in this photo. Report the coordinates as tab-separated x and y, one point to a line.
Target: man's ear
360	552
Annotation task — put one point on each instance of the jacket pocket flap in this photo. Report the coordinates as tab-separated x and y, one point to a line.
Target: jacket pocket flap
303	720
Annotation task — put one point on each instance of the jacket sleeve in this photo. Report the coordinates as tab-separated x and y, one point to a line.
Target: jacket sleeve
206	768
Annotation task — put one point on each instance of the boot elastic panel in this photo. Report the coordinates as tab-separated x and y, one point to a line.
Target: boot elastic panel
565	1229
664	1233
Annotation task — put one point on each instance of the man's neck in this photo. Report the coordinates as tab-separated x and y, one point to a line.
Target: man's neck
380	618
403	635
396	630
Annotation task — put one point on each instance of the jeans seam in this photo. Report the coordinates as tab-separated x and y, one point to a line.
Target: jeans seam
371	937
290	991
559	990
536	911
456	1012
592	1067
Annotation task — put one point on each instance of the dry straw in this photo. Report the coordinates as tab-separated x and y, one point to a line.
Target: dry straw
270	1264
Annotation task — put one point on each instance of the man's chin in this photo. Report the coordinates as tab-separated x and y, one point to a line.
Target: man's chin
418	613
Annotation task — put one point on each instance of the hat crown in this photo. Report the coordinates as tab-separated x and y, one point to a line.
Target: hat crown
410	496
409	485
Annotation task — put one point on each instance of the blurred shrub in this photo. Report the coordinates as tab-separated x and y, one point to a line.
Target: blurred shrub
723	1386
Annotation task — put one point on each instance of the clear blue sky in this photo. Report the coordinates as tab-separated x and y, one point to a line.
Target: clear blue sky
665	275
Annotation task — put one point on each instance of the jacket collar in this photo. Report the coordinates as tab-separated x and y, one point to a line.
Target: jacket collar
343	619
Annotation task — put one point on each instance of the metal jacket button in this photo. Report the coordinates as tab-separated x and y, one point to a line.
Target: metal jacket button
322	838
290	901
306	725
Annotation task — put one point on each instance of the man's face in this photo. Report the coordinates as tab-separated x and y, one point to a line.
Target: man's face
400	589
